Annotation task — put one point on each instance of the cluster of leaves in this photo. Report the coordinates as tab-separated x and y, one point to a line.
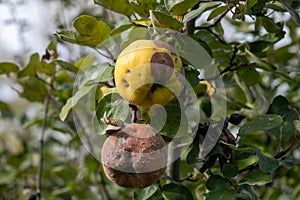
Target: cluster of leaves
245	165
253	71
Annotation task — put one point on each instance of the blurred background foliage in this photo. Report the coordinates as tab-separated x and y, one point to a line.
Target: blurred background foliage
255	45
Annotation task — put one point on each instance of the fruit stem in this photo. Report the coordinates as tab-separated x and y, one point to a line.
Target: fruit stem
134	114
174	151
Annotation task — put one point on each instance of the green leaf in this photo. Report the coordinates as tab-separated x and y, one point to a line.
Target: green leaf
265	122
5	110
7	177
249	75
67	66
162	20
97	73
197	56
90	31
216	12
223	194
67	35
266	163
192	76
249	150
85	62
281	106
270	25
250	191
201	9
30	69
33	89
289	162
135	34
229	170
194	154
174	191
250	3
46	68
142	22
243	196
293	12
179	7
145	193
273	37
165	118
259	46
52	45
126	7
8	67
114	106
261	63
256	7
257	177
73	101
216	182
119	6
276	6
121	28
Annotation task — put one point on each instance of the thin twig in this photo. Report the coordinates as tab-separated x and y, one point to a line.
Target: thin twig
41	141
231	64
287	150
106	56
280	154
215	23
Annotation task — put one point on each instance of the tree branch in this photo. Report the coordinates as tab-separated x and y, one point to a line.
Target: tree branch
173	170
104	192
41	141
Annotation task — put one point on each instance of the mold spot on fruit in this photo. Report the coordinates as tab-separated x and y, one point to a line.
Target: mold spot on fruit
125	83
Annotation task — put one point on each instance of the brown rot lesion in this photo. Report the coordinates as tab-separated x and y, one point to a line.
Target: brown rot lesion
162	66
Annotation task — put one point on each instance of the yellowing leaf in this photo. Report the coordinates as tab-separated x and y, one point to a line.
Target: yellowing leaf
89	32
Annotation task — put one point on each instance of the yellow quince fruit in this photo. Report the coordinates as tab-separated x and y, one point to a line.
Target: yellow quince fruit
149	72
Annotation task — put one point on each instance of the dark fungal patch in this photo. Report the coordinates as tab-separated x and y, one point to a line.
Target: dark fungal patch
155	86
174	54
162	66
125	82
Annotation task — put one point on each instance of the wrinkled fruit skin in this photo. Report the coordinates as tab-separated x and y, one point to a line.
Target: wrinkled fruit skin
149	72
134	157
